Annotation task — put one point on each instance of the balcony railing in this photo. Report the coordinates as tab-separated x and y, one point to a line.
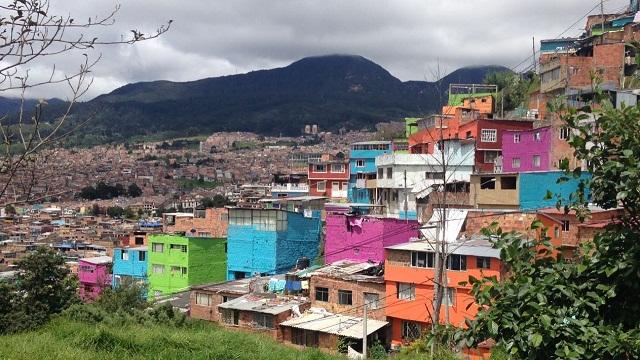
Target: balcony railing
290	187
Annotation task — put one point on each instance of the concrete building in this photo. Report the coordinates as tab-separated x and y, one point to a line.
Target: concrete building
289	185
408	270
177	262
522	191
540	149
129	264
94	275
329	177
270	241
362	166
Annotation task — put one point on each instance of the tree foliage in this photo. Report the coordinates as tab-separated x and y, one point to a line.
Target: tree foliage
513	88
582	308
44	286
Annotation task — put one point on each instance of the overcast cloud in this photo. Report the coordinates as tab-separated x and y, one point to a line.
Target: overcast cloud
407	37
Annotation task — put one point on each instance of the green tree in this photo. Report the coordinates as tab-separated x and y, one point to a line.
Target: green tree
134	190
10	209
115	211
513	88
44	285
7	305
582	308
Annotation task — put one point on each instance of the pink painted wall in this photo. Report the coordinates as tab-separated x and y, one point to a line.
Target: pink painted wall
526	149
92	279
366	242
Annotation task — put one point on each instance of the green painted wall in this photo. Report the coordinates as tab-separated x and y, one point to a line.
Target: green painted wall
411	126
205	260
458	99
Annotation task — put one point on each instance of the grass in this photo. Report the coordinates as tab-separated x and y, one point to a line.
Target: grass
68	339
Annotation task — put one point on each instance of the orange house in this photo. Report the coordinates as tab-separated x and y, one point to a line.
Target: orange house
409	273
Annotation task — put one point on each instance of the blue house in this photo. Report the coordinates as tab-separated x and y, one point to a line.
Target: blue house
129	263
526	191
270	241
362	163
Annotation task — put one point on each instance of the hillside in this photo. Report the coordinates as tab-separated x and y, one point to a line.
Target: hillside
68	339
332	91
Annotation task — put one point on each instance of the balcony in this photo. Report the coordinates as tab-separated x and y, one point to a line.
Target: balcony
371	184
289	187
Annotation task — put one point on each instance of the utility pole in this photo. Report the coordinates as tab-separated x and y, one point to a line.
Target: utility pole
533	43
364	332
602	18
406	198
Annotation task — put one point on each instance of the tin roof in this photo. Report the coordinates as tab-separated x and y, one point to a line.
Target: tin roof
264	303
336	324
98	260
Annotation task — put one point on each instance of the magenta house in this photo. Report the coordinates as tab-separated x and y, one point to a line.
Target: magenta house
526	150
93	276
364	237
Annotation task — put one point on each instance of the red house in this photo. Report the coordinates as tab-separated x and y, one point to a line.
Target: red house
329	177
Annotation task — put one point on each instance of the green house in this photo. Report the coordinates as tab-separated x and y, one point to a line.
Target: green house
178	262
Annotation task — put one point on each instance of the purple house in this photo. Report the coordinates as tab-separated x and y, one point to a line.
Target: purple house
527	150
93	276
364	237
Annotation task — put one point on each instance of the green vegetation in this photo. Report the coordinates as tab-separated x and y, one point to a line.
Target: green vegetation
190	184
513	89
217	201
105	191
582	308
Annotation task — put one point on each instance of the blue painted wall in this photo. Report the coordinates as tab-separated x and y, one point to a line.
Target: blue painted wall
534	186
369	157
132	267
250	250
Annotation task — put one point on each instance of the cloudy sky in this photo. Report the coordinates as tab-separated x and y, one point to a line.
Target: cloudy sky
407	37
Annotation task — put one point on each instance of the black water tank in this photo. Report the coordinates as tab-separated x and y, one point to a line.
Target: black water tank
302	263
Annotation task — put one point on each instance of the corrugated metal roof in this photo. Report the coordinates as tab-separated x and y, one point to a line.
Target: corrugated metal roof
473	247
454	218
98	260
336	324
263	303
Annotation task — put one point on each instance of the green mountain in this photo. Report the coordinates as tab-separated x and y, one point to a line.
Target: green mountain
332	91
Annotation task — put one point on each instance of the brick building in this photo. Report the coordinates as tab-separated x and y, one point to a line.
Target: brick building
211	222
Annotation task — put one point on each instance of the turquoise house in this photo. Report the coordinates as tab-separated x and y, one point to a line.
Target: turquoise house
270	241
362	163
129	263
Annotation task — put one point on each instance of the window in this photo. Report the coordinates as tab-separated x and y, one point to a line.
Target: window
515	163
389	173
139	240
468	135
203	299
434	175
489	135
303	337
411	330
372	300
406	291
422	259
322	294
487	183
516	138
157	268
337	168
142	255
345	297
230	317
564	133
227	298
380	173
264	321
182	248
182	271
457	262
483	262
490	156
451	296
124	255
508	183
536	136
156	247
556	232
320	168
565	225
321	186
536	161
85	268
359	163
240	217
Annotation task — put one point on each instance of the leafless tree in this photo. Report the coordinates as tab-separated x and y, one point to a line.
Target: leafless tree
29	33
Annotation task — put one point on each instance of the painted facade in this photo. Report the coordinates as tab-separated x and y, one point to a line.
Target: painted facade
410	293
329	177
177	262
362	166
289	185
270	241
93	277
397	192
363	238
522	191
528	150
129	263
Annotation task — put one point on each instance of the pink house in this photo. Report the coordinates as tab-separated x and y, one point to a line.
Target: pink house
363	238
93	276
527	150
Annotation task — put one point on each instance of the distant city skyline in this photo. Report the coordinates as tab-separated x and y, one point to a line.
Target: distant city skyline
408	38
